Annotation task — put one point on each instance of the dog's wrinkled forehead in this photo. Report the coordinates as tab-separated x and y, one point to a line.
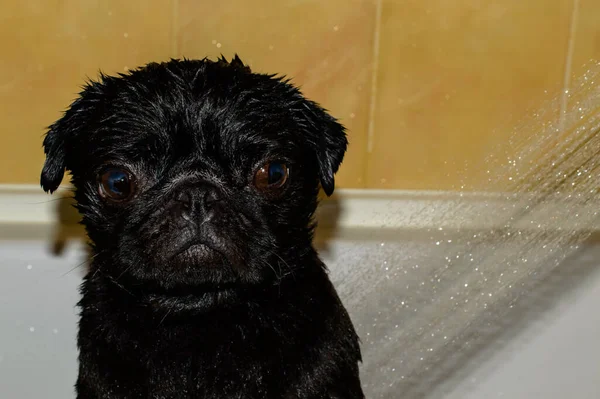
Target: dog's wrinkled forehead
192	111
163	115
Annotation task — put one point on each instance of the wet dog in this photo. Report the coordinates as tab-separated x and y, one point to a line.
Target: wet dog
197	182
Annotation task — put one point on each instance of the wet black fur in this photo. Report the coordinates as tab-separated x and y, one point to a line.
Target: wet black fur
252	316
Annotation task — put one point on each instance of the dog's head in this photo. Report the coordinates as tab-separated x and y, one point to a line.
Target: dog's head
191	172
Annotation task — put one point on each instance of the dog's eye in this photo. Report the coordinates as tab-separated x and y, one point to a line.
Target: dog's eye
116	184
272	175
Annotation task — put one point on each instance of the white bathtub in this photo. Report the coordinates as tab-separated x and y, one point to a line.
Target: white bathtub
547	348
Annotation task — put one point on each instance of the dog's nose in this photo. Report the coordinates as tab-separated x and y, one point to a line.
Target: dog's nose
195	202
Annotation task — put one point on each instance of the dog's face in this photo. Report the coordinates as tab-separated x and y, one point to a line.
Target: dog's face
194	172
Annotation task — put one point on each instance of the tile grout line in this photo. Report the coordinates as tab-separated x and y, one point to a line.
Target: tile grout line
374	78
375	66
568	66
174	28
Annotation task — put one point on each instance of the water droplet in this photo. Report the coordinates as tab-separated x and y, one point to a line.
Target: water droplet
31	329
29	267
125	35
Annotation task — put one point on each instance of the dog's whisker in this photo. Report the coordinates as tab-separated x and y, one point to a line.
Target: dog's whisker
88	260
76	267
166	314
50	200
119	285
96	271
291	270
125	271
272	268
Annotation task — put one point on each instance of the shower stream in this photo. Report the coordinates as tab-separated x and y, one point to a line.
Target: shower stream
425	306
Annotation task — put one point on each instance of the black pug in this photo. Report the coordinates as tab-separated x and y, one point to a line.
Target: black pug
197	182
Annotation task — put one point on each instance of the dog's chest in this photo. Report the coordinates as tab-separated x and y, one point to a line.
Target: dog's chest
212	359
241	356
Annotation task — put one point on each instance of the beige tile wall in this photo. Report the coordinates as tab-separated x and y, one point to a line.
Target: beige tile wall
48	49
428	89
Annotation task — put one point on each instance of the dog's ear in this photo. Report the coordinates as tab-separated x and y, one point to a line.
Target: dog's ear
58	143
327	138
55	149
63	134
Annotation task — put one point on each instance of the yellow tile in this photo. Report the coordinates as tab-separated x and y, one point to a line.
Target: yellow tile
577	141
454	79
326	46
49	47
585	57
586	37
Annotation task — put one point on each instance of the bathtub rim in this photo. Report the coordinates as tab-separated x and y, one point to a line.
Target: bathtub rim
27	212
